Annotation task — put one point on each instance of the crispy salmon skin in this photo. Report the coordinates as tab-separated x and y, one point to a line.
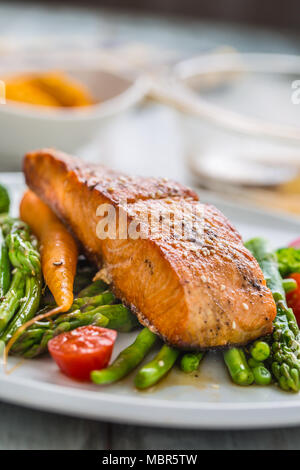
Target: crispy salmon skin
197	291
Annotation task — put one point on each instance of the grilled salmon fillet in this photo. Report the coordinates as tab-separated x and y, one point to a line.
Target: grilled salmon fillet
197	291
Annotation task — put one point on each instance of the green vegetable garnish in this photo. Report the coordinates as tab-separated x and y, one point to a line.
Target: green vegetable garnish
267	260
155	370
288	261
95	310
238	367
127	360
285	340
4	200
191	361
260	351
289	285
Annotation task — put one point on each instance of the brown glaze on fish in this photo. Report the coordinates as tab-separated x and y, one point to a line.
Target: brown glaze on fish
203	291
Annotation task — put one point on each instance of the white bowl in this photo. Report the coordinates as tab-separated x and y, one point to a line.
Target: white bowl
25	127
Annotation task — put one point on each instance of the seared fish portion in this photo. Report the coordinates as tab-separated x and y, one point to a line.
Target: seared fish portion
199	290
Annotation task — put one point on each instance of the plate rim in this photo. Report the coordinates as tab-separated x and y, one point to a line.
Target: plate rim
205	415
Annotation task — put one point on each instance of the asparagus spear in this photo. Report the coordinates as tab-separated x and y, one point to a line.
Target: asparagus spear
155	370
256	371
260	351
93	289
262	375
267	261
191	361
28	308
127	360
120	318
86	303
34	340
25	258
238	367
22	246
95	293
285	340
12	299
4	266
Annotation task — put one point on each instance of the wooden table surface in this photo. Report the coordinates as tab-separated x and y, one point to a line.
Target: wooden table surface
22	428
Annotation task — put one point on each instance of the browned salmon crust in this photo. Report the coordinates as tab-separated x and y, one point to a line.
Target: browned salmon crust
204	291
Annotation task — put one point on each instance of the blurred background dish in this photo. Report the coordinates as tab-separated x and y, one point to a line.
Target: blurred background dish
69	128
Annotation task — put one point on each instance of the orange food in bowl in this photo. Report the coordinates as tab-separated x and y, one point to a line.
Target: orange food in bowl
23	91
48	89
66	90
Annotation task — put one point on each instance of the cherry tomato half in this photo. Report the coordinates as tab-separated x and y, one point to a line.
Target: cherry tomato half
80	351
293	298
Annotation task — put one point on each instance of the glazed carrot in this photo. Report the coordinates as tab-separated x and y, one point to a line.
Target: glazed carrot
58	249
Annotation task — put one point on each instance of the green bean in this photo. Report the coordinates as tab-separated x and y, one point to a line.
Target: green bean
260	351
191	361
238	368
127	360
12	299
155	370
261	375
4	266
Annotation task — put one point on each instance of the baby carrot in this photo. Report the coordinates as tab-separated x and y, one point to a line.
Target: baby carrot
58	249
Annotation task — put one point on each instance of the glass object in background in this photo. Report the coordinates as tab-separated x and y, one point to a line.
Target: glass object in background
237	149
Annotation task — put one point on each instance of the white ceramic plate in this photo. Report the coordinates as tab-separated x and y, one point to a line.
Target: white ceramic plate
208	401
